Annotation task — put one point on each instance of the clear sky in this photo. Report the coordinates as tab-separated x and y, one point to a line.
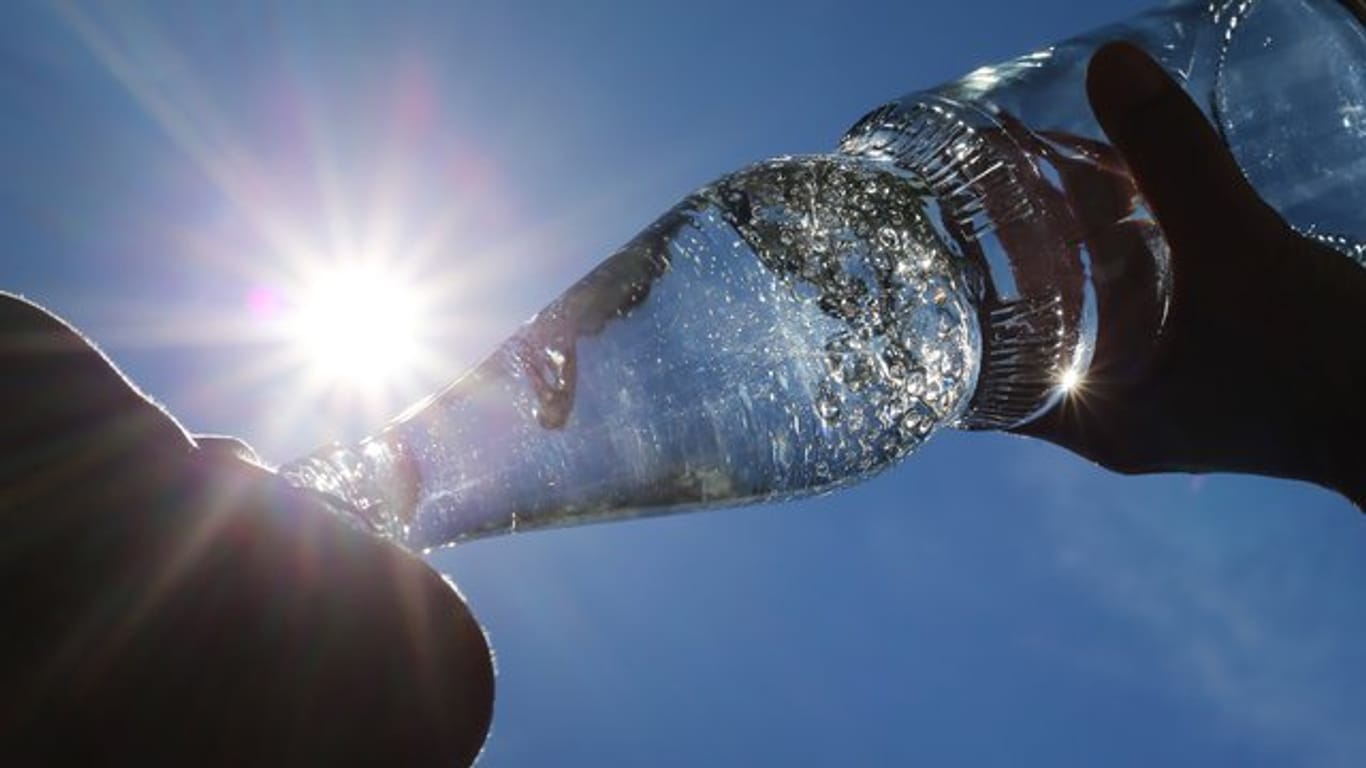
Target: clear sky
172	176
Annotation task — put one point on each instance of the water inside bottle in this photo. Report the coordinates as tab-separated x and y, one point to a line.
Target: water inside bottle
792	328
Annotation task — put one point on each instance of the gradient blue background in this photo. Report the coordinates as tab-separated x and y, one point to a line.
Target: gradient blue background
992	601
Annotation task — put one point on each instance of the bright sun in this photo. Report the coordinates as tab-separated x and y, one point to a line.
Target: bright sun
356	327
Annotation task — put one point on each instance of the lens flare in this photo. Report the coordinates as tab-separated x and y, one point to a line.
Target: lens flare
1070	381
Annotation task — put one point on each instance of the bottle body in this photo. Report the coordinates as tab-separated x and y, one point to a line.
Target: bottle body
806	322
1033	191
794	327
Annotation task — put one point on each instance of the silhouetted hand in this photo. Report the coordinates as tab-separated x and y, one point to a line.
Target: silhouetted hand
1262	364
168	603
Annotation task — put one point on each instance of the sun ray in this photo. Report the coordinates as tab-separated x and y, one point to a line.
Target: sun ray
180	108
317	359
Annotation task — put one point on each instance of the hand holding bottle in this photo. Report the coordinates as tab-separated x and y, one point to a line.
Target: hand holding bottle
1262	364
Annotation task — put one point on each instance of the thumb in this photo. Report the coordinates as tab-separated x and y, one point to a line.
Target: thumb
62	397
1180	164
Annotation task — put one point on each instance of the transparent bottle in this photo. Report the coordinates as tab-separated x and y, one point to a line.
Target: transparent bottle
808	321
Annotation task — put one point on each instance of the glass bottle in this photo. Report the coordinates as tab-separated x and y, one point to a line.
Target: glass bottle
808	321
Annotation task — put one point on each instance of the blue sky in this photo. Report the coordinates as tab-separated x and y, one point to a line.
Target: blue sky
992	601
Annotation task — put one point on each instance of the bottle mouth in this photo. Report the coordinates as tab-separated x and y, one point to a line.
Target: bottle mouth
1035	303
373	485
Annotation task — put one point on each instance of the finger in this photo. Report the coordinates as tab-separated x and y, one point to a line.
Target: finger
400	670
1178	160
222	446
245	625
